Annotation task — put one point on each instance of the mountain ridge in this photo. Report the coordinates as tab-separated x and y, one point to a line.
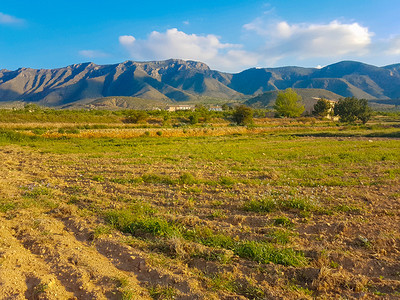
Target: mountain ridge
179	80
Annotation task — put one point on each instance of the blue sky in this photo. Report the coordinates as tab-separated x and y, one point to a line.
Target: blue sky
227	35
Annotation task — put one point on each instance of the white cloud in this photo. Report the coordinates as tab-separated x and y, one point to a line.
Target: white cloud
393	46
306	40
92	53
10	20
177	44
126	40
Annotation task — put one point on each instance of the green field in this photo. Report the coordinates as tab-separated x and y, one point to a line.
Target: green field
291	209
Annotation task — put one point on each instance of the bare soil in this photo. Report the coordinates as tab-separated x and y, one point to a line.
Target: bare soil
50	247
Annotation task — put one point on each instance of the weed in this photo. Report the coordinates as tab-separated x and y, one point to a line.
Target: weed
34	192
295	287
127	295
39	131
265	205
139	224
5	207
101	230
187	178
254	250
154	178
333	264
279	236
40	288
264	253
227	181
121	282
218	214
72	130
347	208
283	222
162	292
223	282
299	203
98	178
258	251
73	200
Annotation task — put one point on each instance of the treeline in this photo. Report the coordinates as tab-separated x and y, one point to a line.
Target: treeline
33	113
350	109
287	105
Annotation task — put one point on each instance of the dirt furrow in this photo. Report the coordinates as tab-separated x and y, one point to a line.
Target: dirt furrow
80	269
24	275
128	259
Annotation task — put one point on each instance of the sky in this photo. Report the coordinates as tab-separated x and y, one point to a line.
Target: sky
228	35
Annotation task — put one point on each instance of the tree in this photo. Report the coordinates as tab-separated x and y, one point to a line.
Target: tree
322	108
32	107
203	113
350	109
289	104
194	118
136	116
365	112
243	115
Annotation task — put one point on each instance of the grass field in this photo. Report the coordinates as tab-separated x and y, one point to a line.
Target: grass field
283	210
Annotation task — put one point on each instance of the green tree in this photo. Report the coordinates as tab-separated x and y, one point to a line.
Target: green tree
225	107
32	107
243	115
365	112
203	113
350	109
322	108
289	104
194	118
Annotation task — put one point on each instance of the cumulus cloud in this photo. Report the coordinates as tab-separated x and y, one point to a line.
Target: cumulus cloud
10	20
303	41
92	53
178	44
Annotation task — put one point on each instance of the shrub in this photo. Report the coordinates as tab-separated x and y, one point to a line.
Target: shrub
194	118
136	116
243	115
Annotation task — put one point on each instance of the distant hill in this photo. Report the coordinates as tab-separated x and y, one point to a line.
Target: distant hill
309	96
178	80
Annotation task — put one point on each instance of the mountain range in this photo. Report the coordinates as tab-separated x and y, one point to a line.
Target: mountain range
178	80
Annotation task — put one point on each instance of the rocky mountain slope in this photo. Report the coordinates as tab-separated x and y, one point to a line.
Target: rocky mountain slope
180	80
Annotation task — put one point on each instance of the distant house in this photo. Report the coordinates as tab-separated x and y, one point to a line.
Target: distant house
215	108
180	107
